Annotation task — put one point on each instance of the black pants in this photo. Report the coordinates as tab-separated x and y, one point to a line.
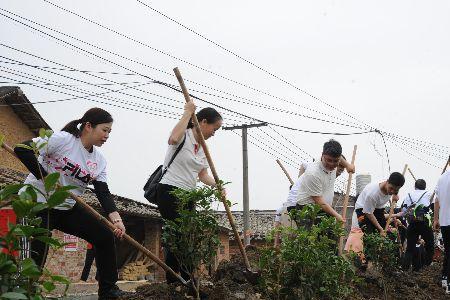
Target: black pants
445	230
90	255
412	234
80	223
168	205
366	225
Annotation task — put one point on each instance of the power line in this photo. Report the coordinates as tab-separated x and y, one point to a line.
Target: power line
164	53
252	64
105	51
411	154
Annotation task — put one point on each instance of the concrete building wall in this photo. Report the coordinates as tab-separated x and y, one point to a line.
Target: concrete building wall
15	132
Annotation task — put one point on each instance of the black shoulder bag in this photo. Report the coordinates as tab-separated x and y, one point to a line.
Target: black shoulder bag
157	175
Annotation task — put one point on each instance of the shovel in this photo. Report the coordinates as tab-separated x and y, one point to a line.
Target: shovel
252	276
285	171
126	237
345	204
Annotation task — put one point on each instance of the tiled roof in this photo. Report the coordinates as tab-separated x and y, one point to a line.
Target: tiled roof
124	205
22	107
261	222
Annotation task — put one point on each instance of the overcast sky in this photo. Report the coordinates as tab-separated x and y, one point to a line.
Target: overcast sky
386	63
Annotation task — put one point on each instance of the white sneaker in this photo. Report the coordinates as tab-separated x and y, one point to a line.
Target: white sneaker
444	282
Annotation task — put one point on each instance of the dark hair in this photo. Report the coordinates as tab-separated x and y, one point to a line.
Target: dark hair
420	184
396	179
209	114
94	116
332	148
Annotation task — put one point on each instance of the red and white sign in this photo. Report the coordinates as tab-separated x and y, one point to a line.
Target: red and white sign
72	242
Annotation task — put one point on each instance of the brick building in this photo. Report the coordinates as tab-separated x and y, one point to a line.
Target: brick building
20	121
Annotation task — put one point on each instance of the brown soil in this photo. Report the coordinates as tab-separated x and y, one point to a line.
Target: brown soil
421	285
229	283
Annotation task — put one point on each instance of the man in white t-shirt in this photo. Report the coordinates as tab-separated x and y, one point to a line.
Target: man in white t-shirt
282	213
370	205
317	184
442	220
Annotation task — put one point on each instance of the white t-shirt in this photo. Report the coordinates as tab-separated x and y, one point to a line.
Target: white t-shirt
293	192
371	198
415	196
183	172
443	196
64	153
316	181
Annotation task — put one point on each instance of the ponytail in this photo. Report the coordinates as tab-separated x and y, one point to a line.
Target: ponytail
94	116
72	127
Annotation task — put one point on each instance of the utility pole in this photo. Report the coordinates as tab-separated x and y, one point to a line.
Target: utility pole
246	205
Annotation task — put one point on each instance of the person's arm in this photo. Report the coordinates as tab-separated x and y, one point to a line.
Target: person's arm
436	214
207	179
180	128
106	200
374	221
28	158
302	170
348	166
327	208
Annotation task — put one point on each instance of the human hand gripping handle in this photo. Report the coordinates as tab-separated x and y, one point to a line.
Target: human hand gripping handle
117	221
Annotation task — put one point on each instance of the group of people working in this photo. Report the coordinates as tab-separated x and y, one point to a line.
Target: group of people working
412	221
73	152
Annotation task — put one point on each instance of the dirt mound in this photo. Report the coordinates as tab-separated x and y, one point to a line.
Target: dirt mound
227	283
421	285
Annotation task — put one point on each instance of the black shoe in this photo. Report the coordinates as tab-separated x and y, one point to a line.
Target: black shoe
113	293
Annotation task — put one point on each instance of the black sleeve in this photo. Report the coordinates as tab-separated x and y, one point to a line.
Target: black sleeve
105	198
30	161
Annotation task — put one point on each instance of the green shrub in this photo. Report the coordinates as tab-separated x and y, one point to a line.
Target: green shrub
21	277
193	238
306	265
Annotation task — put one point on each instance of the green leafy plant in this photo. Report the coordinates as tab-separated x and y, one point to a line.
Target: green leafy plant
382	251
306	264
193	238
20	276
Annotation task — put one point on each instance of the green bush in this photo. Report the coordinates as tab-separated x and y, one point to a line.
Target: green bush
382	251
193	238
306	265
20	277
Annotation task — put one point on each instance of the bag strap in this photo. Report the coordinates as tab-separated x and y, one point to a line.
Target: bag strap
414	203
174	155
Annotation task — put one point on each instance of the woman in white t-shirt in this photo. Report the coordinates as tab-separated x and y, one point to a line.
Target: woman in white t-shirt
188	165
73	153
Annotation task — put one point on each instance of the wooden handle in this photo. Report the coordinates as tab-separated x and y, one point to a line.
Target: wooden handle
410	172
213	168
346	198
393	203
285	172
110	225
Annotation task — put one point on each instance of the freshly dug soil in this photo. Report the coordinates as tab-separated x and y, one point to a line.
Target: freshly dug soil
421	285
229	283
